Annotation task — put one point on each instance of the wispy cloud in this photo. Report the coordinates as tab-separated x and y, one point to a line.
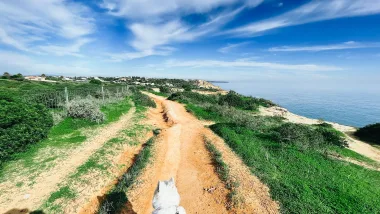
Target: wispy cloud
246	63
66	50
118	57
316	10
155	10
341	46
22	23
23	63
156	38
229	47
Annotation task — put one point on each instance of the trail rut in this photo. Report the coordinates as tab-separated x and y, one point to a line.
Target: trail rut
180	153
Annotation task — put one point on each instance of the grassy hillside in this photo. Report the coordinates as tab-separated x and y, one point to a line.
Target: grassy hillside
294	160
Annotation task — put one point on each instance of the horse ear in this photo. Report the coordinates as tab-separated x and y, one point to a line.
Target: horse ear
171	181
158	186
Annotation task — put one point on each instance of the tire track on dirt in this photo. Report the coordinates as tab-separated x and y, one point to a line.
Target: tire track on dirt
48	181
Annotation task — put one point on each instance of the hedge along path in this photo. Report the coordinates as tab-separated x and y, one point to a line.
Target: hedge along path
32	196
180	152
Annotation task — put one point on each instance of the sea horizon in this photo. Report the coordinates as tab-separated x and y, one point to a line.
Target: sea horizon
355	108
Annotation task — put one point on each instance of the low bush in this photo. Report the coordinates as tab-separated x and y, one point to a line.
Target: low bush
193	97
21	124
164	89
306	136
86	108
242	102
370	133
143	99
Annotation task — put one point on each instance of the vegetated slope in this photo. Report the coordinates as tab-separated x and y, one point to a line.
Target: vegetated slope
180	152
294	161
25	189
355	145
369	133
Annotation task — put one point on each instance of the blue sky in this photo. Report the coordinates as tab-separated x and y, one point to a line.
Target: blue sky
277	41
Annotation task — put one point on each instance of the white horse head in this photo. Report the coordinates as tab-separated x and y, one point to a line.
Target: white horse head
166	198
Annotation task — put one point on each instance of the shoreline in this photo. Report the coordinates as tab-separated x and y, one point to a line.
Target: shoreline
355	145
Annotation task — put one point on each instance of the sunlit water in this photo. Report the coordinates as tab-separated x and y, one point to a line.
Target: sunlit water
352	108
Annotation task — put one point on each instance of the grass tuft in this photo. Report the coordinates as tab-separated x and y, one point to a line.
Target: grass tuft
223	171
116	198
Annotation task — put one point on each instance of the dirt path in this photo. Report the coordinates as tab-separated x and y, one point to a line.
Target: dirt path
180	153
32	196
354	144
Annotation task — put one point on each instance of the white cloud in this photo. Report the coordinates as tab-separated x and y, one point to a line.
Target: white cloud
70	50
341	46
148	9
157	25
229	47
155	39
118	57
246	63
24	22
15	62
311	12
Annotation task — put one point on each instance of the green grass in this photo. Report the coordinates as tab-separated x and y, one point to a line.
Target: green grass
304	181
63	193
351	154
66	134
222	168
159	93
114	111
101	162
203	113
223	171
116	198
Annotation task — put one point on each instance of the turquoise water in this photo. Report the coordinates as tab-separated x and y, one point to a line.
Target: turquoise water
347	107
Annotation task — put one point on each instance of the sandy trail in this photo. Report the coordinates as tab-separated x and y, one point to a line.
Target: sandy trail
180	153
48	181
354	144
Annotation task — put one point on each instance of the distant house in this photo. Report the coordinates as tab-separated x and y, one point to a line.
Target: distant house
97	78
35	78
67	79
123	79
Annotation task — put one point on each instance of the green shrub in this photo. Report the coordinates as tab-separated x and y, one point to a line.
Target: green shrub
164	89
86	108
324	124
95	81
186	87
143	99
306	136
193	97
246	103
370	133
21	124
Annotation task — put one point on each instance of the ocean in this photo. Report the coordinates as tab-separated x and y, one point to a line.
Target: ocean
346	107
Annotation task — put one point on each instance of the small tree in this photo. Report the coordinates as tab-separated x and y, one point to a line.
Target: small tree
164	89
186	87
95	81
6	75
17	77
43	75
